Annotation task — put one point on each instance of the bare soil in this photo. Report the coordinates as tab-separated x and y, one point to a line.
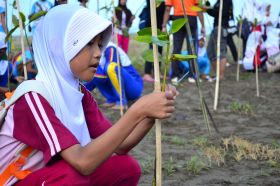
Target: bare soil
257	122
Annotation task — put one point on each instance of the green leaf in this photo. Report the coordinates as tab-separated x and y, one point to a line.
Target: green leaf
148	31
23	19
15	4
125	32
144	39
104	8
10	33
15	20
181	57
158	2
148	55
37	16
196	9
177	25
145	31
159	42
118	8
163	37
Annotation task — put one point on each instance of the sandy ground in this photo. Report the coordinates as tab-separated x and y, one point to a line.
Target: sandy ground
257	122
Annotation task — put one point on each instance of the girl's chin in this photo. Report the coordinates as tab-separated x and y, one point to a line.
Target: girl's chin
88	78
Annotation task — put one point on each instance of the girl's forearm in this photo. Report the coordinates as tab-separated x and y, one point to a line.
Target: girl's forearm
136	136
87	159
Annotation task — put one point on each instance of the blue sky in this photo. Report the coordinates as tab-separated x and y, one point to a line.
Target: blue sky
136	6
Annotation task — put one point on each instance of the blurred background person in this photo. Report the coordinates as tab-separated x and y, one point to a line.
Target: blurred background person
123	19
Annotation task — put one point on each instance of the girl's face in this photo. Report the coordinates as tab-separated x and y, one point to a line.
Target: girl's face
84	64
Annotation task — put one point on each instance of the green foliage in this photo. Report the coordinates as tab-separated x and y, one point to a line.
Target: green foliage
162	39
164	138
239	19
106	8
170	166
23	19
37	16
177	140
200	141
10	33
275	144
195	165
177	25
125	32
158	2
15	21
146	166
144	38
241	108
148	31
181	57
159	42
15	4
273	163
145	31
149	56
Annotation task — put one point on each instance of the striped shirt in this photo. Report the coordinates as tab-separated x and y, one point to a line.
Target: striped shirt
32	121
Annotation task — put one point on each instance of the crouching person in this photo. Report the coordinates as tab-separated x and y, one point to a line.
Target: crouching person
72	142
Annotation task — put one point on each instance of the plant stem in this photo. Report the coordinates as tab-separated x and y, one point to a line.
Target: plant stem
202	103
167	60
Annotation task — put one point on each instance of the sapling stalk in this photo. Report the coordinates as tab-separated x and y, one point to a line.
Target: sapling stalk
21	22
239	47
218	57
203	104
167	61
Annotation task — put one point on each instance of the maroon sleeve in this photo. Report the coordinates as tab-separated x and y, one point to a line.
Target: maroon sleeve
96	121
37	126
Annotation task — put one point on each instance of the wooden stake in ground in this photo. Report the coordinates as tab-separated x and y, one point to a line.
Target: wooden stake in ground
256	66
218	56
239	49
157	88
118	62
22	41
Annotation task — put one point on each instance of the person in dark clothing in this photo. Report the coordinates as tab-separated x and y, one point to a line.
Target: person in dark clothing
148	65
232	47
212	45
232	30
124	20
182	33
83	3
60	2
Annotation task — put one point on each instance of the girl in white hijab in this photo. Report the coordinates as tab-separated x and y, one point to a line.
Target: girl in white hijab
74	144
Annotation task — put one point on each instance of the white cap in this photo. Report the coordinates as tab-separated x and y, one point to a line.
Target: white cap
201	37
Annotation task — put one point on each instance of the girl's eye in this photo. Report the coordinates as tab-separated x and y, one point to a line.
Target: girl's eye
100	45
90	43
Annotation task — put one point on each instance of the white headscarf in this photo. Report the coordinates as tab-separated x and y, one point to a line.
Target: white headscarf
58	38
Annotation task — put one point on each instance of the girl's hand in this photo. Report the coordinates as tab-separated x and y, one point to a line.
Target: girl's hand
158	105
